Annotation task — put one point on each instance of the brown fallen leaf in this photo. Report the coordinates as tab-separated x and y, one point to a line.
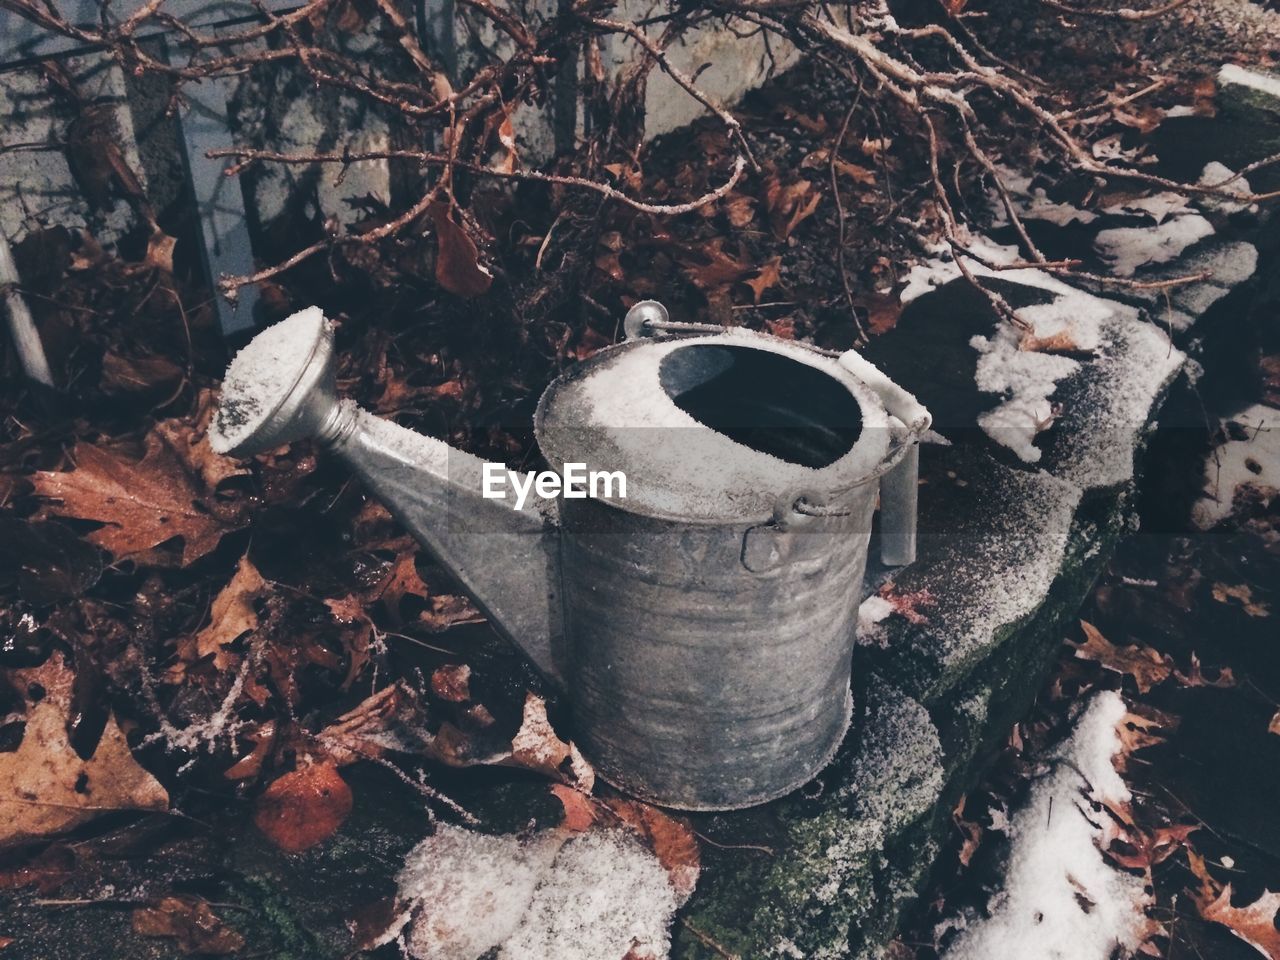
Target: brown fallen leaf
304	807
713	268
188	438
1060	342
1254	924
883	311
908	604
458	266
451	682
740	210
536	747
142	504
971	832
45	788
231	616
769	275
789	205
1144	665
249	766
190	921
1225	593
1274	725
1195	676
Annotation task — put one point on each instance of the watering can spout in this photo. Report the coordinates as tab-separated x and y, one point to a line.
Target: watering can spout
281	388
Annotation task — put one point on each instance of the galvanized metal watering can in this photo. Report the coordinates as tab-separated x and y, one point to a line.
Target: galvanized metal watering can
703	624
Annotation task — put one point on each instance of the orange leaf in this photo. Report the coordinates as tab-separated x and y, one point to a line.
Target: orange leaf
769	276
458	267
304	807
1144	665
141	504
1255	924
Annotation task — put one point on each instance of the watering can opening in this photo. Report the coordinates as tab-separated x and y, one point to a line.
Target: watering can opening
766	401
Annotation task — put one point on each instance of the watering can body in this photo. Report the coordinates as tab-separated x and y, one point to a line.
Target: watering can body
702	626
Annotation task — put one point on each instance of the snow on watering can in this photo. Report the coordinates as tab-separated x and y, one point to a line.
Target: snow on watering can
702	625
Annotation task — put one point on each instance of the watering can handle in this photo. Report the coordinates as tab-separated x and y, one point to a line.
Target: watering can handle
899	486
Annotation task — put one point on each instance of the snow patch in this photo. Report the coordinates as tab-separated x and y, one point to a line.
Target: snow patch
1055	861
590	896
1026	379
1128	248
1219	175
1241	77
1251	461
872	612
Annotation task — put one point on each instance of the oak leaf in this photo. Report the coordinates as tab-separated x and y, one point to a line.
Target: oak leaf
1144	665
45	787
141	504
304	807
1255	924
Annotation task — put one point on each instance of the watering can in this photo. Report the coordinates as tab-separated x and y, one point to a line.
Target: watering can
702	625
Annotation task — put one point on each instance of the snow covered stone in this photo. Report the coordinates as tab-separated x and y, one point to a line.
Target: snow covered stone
1055	861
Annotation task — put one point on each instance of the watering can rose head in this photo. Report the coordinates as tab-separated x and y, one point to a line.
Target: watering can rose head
700	615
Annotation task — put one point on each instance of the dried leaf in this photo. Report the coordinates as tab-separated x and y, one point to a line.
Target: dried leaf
458	267
249	766
1254	924
740	210
189	920
768	276
536	747
45	788
971	832
1060	342
188	438
789	205
160	247
303	807
231	616
507	138
1224	593
451	682
1274	725
1144	665
142	504
715	268
908	604
883	312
